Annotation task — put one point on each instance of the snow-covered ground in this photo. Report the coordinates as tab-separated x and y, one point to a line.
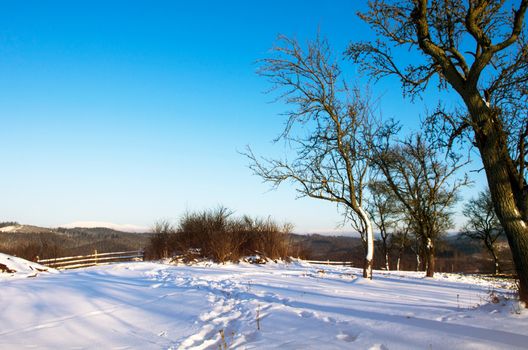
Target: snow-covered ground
273	306
12	267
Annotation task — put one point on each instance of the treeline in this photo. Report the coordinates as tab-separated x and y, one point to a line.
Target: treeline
8	223
220	236
455	253
55	243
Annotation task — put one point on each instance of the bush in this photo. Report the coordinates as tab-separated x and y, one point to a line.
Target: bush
217	235
160	242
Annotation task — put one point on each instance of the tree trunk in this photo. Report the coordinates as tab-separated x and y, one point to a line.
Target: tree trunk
493	253
496	263
400	253
516	230
369	258
430	256
507	194
367	269
385	253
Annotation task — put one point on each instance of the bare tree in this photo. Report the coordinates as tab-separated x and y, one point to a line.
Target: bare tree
478	50
483	224
329	129
425	187
383	206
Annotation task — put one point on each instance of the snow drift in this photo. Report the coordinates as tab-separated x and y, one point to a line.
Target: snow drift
13	267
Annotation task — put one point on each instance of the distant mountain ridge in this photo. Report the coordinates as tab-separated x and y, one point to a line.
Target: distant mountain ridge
110	225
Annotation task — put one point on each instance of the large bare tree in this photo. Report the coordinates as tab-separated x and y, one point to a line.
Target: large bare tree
476	49
329	129
426	187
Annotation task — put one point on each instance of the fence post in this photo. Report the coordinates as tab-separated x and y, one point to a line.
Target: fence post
95	256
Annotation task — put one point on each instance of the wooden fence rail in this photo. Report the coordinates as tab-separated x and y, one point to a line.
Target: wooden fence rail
328	262
73	262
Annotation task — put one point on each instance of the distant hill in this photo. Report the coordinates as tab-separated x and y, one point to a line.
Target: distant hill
17	228
322	247
31	241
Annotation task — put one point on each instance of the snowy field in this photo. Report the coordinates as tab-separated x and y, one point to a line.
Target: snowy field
273	306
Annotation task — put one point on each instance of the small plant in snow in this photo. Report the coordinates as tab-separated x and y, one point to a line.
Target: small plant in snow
494	298
223	344
258	317
248	287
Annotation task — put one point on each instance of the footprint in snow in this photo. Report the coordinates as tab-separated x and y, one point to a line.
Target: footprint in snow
306	314
452	317
330	320
346	336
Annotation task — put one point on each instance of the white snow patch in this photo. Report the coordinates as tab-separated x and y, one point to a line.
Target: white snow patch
12	228
13	267
113	226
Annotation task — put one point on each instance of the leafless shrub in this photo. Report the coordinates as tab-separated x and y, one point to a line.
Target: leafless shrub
269	238
216	234
160	242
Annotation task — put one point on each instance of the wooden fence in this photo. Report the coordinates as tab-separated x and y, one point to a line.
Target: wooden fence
73	262
328	262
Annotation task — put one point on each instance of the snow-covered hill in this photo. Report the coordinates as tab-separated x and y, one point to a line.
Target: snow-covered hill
24	229
110	225
273	306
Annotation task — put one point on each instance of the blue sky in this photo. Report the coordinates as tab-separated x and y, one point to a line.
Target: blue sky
131	111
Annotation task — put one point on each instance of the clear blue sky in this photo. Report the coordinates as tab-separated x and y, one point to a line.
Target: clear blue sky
131	111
